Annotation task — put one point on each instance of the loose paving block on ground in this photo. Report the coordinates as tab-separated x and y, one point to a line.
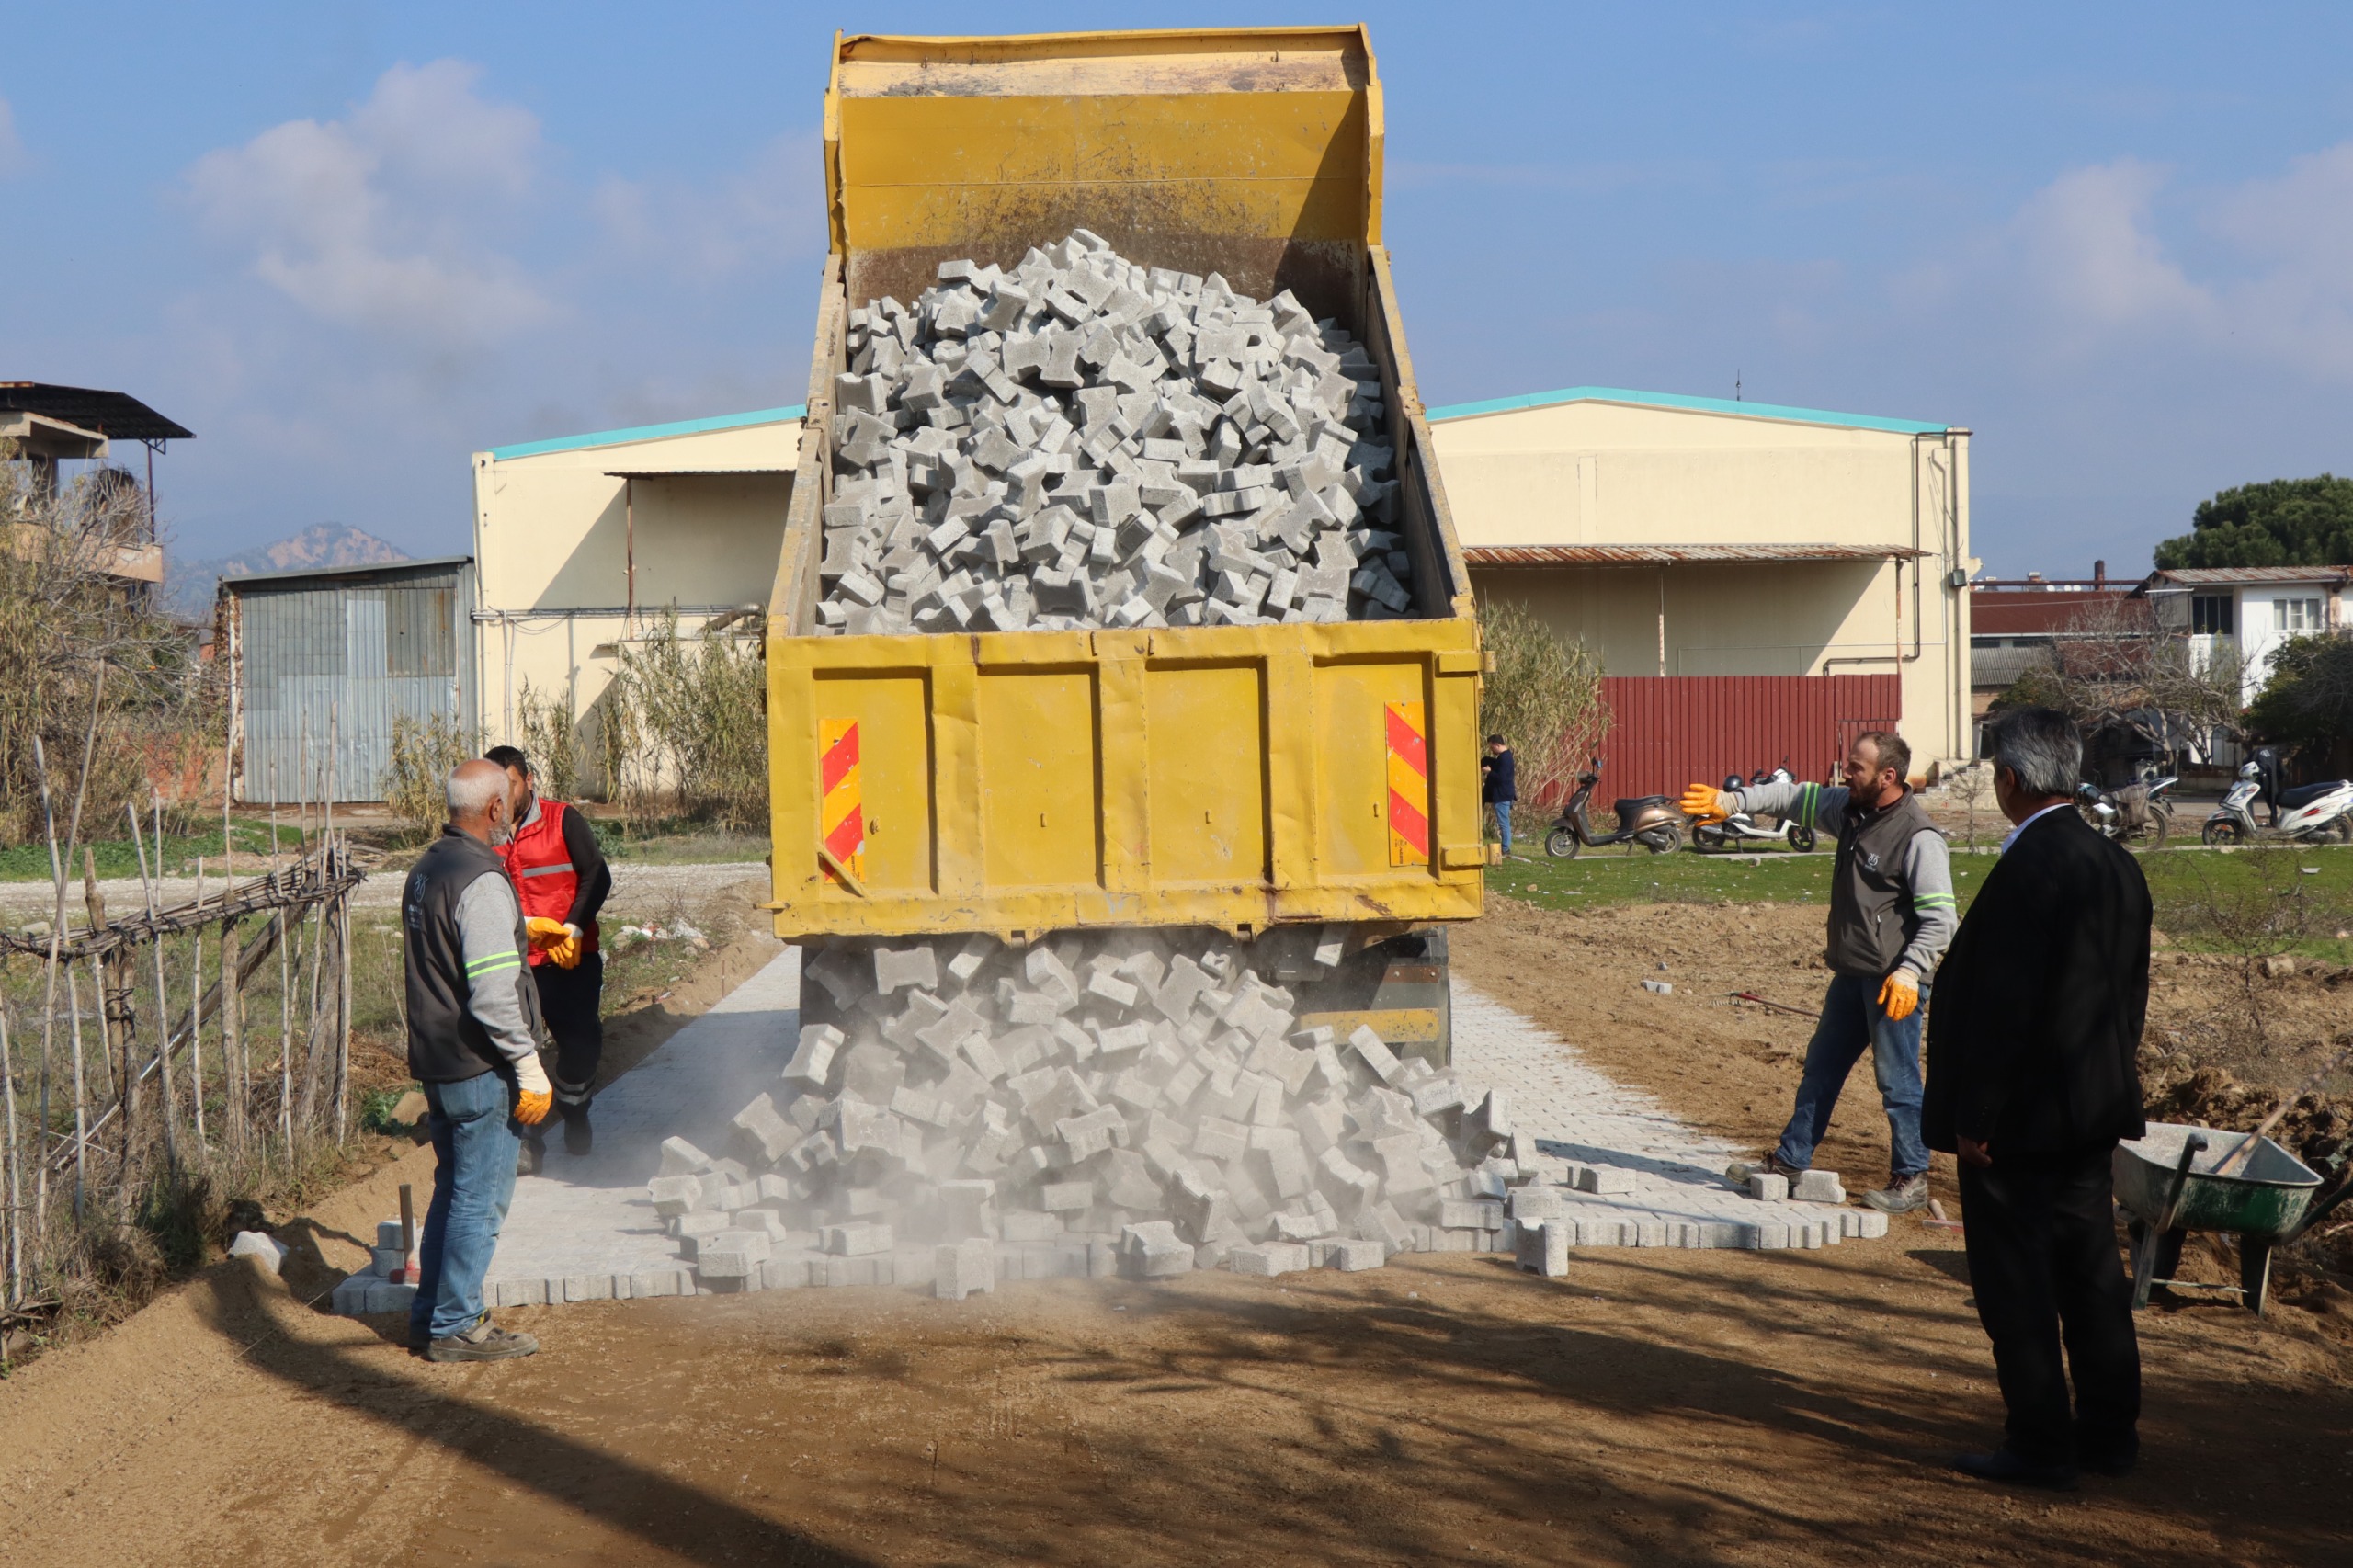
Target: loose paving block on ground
585	1230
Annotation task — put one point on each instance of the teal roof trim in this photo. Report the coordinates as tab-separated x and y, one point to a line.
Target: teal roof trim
649	432
1677	400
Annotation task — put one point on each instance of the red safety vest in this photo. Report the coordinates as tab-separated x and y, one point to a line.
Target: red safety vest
540	868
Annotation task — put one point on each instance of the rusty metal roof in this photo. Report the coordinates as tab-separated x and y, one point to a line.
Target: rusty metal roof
1676	554
2201	577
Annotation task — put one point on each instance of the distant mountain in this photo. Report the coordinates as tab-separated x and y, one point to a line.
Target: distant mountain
188	585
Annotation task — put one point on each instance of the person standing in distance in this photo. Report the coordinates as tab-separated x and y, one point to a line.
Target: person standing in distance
1892	911
2034	1077
1500	785
473	1043
560	876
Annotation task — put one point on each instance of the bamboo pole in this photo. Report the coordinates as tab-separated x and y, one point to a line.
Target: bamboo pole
15	1180
49	988
196	1015
234	1069
163	999
81	1109
285	989
328	858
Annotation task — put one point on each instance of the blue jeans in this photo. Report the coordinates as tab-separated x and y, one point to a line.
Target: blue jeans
475	1144
1851	1021
1503	823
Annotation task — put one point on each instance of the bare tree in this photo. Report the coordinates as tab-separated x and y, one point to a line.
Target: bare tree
2117	667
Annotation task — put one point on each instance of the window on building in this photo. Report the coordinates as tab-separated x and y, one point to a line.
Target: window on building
2210	615
2295	617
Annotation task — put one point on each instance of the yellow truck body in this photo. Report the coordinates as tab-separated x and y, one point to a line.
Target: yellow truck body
1238	776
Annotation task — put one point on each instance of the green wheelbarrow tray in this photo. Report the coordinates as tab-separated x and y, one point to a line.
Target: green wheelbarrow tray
2166	1181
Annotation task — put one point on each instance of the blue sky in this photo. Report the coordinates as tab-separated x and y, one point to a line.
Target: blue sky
349	245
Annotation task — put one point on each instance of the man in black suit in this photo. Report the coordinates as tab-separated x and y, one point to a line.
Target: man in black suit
2032	1079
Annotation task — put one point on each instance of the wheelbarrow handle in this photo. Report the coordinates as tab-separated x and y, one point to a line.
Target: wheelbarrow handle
2191	1147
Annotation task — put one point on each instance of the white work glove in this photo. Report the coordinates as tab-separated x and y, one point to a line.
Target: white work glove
535	1097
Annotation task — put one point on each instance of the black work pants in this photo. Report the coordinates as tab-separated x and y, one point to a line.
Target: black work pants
2043	1258
570	1000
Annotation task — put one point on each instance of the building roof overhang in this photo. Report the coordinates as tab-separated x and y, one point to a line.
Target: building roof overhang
1680	554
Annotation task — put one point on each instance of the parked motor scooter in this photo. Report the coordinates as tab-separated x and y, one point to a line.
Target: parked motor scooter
1740	827
1652	821
2310	814
2137	816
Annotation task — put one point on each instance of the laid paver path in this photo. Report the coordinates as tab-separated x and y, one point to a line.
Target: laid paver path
583	1230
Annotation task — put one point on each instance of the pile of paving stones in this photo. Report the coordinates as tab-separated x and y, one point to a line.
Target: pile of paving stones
1084	442
1121	1103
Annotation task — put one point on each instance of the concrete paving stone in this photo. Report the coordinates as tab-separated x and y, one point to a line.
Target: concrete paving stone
589	1287
595	1214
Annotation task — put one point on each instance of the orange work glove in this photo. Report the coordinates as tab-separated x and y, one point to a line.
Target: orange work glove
534	1096
1705	802
1899	994
557	939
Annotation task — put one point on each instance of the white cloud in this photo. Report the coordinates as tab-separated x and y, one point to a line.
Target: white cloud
770	210
12	148
378	221
2271	285
2087	244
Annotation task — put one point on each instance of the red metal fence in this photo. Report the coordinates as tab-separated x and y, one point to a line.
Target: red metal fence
1670	730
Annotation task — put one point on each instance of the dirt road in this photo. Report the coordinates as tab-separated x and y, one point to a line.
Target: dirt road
1669	1406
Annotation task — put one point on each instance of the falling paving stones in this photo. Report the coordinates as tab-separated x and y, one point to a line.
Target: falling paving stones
1084	442
1125	1103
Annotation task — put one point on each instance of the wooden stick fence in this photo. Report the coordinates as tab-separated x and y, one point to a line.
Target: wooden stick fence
119	1134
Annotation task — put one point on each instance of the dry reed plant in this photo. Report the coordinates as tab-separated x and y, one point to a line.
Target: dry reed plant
1544	697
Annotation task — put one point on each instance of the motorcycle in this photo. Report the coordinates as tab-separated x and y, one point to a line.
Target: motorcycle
2137	816
2310	814
1652	821
1743	828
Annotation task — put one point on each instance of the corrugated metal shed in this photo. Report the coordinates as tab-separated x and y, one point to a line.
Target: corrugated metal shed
347	650
1669	731
1675	554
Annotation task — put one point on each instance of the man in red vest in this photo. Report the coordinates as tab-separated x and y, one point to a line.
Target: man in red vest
562	878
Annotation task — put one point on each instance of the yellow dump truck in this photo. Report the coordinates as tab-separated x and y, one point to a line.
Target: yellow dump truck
1244	777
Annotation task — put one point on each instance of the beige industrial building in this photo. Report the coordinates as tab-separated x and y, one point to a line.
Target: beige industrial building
581	542
1689	535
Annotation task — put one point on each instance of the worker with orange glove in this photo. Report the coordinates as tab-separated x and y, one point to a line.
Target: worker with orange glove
475	1034
561	875
1891	916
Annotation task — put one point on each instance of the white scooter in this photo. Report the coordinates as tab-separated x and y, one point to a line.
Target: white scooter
1741	828
2310	814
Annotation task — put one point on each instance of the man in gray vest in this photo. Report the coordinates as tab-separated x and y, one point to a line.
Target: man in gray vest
475	1034
1891	915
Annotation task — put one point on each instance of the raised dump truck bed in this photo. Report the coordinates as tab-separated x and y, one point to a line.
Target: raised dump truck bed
1238	776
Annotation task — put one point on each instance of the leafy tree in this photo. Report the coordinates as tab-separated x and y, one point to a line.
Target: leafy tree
2280	522
2308	700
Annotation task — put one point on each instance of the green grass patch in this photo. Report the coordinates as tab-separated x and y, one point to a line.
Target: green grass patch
120	857
2268	899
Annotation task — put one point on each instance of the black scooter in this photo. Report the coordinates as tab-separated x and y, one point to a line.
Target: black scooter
1652	821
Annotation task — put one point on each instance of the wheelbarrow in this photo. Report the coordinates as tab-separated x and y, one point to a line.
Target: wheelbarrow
2165	1182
